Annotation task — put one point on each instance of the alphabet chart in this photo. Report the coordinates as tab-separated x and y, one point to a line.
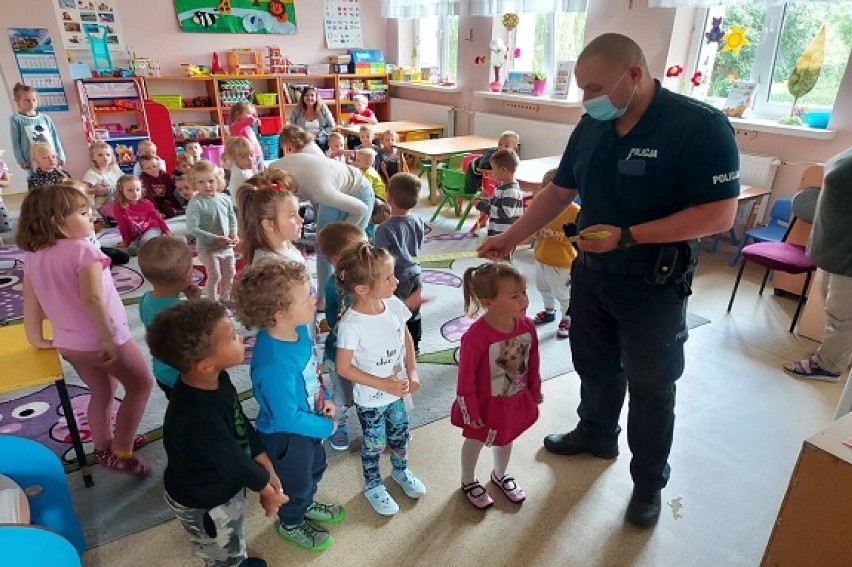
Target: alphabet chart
342	22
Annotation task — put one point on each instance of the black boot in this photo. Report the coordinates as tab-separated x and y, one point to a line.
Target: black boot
644	508
576	443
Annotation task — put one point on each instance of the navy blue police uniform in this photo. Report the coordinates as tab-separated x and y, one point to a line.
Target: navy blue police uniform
628	306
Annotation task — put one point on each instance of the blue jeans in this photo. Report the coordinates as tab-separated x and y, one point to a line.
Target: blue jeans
327	215
628	334
384	426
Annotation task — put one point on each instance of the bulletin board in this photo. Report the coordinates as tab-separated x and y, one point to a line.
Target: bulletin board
78	16
37	64
342	22
236	16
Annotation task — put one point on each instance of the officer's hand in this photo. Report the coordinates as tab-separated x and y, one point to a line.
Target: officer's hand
495	247
599	245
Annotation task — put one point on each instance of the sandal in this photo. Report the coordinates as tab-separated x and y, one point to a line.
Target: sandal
101	455
139	441
477	495
809	368
131	465
510	488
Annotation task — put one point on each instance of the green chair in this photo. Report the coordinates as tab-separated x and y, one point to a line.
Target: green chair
452	188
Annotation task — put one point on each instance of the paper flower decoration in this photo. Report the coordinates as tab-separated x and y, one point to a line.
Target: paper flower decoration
479	59
516	53
674	71
735	40
498	51
510	21
696	79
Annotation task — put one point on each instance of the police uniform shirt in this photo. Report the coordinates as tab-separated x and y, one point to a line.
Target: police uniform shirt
681	153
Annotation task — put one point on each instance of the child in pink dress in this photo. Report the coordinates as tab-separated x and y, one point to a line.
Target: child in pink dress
67	280
243	117
499	386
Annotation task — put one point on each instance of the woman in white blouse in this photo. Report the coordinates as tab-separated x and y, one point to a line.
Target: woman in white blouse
314	116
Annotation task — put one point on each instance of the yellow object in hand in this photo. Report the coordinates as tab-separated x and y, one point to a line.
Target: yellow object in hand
595	235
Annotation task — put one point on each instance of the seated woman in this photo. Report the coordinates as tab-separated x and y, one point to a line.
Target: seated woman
314	116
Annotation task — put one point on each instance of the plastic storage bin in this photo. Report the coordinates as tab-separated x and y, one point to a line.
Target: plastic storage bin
269	145
266	99
213	153
169	101
269	125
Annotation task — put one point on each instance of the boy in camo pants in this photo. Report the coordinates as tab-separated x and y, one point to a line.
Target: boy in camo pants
214	452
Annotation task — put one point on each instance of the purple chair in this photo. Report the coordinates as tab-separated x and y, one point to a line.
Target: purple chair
790	258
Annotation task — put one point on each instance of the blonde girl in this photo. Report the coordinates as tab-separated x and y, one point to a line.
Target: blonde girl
28	126
238	158
243	117
138	219
210	218
270	223
375	352
499	386
67	280
102	176
389	159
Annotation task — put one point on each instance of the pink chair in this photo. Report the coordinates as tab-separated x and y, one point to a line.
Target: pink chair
790	258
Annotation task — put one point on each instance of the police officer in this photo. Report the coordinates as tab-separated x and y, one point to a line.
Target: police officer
655	171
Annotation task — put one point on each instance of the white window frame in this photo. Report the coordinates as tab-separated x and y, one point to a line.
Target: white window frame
548	61
764	59
443	44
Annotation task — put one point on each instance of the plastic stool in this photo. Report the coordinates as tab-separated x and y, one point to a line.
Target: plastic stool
35	547
31	464
213	153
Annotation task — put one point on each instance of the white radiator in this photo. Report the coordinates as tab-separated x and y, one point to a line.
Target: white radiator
402	109
758	170
538	139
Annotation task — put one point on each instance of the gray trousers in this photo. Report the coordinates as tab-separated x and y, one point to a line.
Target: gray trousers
216	535
836	349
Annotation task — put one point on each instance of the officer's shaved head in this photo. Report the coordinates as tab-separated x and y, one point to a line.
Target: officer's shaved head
616	49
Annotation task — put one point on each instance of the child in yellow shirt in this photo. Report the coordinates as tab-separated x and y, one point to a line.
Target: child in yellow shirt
554	254
364	160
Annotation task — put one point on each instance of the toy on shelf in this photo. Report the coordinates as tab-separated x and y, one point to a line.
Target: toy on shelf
144	67
195	70
232	91
276	62
236	67
216	67
100	51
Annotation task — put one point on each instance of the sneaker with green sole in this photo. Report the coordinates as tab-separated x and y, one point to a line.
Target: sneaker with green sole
325	513
306	535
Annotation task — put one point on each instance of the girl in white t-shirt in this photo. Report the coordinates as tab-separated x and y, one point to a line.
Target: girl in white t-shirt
102	176
238	158
269	217
375	352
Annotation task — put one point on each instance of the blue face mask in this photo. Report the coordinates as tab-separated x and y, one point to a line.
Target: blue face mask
601	108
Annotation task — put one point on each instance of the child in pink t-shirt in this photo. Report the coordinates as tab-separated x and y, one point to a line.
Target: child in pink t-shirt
67	280
243	117
138	219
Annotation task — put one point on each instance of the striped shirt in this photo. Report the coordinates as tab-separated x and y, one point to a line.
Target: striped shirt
504	208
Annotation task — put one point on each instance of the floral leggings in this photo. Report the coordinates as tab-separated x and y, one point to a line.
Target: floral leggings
383	426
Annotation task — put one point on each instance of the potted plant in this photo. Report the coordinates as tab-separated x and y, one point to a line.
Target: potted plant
539	83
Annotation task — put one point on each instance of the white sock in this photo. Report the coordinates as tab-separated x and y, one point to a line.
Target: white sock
501	459
469	456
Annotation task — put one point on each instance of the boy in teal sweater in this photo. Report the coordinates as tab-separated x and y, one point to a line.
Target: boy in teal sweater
166	262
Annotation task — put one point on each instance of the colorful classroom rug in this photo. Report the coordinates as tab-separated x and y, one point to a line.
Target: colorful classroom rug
119	505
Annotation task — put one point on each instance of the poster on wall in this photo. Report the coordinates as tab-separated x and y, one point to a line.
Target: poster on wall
342	22
236	16
78	17
38	67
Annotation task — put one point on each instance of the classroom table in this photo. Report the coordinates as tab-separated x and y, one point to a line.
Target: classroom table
531	171
25	367
401	127
442	148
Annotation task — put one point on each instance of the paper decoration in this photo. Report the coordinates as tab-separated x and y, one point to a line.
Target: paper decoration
716	32
342	24
236	16
735	39
564	72
739	98
36	60
75	16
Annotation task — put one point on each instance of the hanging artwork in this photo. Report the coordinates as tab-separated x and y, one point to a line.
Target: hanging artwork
716	32
236	16
36	60
77	17
735	39
342	21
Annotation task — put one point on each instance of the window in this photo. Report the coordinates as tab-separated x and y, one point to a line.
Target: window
436	39
778	35
540	47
